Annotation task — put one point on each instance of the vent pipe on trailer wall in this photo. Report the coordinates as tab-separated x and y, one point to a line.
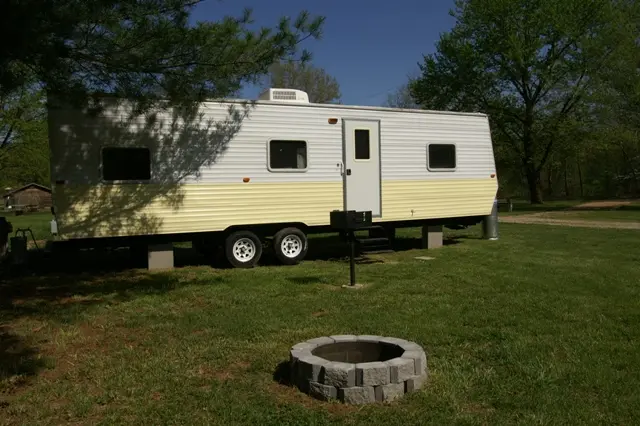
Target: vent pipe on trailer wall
490	223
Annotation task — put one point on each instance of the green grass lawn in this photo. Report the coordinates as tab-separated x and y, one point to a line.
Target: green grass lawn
540	327
38	222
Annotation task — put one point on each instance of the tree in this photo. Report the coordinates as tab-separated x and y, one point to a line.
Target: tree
23	138
319	85
143	50
617	106
528	64
400	98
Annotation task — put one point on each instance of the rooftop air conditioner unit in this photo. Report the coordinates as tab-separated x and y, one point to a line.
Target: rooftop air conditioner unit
284	95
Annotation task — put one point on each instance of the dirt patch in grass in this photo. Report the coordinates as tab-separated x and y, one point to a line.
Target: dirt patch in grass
377	258
20	360
54	357
476	409
539	219
67	350
331	287
613	214
288	394
227	373
605	204
285	392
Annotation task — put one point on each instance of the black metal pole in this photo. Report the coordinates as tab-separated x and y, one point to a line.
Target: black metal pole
352	260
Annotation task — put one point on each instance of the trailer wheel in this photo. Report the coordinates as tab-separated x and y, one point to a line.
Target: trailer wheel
290	245
243	249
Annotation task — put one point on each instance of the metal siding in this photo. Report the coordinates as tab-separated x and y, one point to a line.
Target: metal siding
431	199
205	207
404	139
185	196
363	190
117	211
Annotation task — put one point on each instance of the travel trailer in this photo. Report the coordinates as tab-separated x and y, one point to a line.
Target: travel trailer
237	173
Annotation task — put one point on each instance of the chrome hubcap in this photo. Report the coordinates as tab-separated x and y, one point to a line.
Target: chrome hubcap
291	246
244	250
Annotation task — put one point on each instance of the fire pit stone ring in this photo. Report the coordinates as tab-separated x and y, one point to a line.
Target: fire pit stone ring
358	369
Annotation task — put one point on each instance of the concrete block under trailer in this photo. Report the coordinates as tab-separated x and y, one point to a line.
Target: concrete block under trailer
240	172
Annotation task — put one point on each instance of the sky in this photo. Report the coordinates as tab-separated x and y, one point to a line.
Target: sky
369	46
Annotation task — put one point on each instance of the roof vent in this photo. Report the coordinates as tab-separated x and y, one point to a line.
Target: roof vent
284	95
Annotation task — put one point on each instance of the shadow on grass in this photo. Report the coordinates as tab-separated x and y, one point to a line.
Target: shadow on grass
333	249
305	280
56	288
59	285
330	248
17	358
60	290
282	374
99	261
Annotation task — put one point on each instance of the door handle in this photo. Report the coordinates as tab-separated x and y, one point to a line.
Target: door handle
348	172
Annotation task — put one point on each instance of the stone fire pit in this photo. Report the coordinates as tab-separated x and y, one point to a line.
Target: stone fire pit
358	369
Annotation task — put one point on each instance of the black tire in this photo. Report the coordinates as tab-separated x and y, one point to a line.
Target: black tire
243	243
297	244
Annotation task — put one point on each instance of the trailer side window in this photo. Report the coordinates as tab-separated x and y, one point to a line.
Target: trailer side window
126	163
287	155
441	156
363	150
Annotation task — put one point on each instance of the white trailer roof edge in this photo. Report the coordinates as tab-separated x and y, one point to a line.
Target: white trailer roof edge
326	106
349	107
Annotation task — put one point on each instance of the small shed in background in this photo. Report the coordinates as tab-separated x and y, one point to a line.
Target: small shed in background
31	197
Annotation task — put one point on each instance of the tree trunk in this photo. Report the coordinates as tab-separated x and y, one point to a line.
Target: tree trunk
580	178
532	172
533	177
632	169
635	184
566	181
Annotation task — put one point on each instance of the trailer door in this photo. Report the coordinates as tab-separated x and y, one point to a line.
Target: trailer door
361	157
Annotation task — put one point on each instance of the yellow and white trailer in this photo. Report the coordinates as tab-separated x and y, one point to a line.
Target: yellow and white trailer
241	171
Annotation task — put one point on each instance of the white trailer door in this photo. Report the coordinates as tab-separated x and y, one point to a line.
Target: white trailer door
361	157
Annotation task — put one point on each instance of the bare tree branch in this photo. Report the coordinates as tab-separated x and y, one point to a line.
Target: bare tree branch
7	137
